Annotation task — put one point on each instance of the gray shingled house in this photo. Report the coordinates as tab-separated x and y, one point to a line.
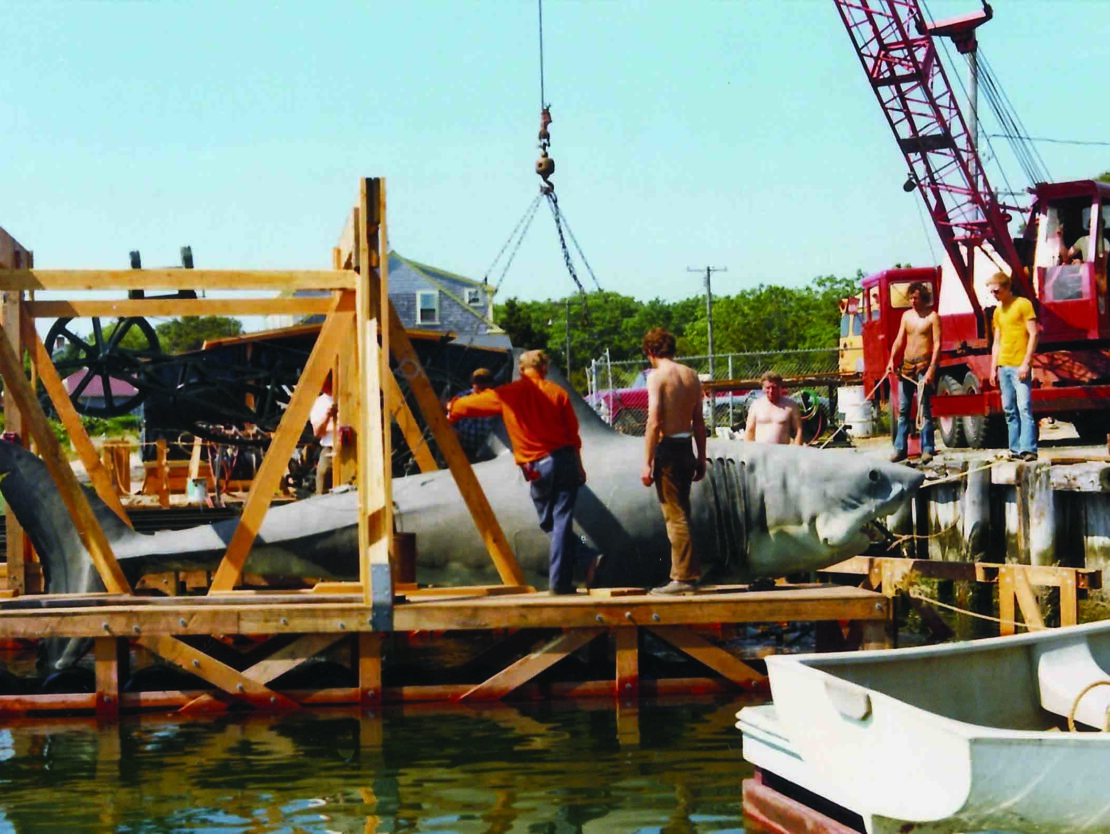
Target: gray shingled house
430	298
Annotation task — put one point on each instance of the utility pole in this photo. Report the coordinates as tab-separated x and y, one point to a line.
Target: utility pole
709	270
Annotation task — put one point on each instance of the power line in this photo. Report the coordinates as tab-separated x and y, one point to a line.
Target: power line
1050	140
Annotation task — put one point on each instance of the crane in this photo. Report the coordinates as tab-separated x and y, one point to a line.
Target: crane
896	47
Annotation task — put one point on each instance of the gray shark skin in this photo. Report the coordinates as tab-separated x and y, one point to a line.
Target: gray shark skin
761	511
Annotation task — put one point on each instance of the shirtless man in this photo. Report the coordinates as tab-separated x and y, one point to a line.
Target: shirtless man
674	417
774	418
919	335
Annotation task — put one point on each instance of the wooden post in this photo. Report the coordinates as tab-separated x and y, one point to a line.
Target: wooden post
977	513
374	465
13	424
161	473
1036	498
627	641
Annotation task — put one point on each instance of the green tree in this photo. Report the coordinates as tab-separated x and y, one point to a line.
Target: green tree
190	332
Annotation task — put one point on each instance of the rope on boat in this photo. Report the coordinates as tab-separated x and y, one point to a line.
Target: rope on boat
1079	697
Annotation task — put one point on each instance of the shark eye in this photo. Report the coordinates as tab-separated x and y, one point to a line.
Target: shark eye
873	475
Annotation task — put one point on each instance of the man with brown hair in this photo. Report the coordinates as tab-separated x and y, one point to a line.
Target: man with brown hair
674	418
918	345
543	431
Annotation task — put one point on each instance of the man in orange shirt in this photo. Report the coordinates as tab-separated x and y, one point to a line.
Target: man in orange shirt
543	430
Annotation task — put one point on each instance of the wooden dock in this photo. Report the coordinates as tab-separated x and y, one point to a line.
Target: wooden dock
236	646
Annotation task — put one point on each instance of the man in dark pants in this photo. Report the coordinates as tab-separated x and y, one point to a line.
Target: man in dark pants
543	431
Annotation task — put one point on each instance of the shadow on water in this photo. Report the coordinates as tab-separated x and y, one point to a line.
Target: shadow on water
673	767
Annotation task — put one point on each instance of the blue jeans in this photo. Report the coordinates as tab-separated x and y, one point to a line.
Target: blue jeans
906	395
1017	405
554	493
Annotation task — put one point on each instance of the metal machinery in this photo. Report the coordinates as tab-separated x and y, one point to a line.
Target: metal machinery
896	47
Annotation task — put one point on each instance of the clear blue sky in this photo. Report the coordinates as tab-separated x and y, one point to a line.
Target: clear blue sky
734	134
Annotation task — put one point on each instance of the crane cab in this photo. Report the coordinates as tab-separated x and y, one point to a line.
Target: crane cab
1067	237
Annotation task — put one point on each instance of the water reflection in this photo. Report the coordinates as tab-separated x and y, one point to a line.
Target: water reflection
671	767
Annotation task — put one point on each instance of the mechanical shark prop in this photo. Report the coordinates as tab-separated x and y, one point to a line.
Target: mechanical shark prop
762	511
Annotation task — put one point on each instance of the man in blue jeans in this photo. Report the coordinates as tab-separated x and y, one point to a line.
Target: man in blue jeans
918	343
543	430
1015	342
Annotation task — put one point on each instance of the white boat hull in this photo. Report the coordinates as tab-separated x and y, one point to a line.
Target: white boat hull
956	738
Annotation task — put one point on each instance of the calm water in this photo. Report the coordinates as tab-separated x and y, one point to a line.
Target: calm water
672	767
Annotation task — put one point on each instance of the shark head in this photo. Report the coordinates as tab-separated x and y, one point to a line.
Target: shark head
805	508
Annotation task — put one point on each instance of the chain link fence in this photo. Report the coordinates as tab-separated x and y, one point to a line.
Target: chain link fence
617	390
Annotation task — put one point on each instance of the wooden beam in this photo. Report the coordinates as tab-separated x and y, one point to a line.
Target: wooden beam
375	481
172	279
626	641
16	544
223	677
410	428
345	390
281	448
528	667
712	656
179	307
369	648
88	528
110	663
67	414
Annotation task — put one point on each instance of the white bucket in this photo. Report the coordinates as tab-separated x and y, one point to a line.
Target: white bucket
855	411
196	491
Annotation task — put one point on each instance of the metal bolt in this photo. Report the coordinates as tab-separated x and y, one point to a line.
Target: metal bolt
136	629
599	618
273	699
181	622
655	618
196	664
105	626
342	626
878	606
240	687
107	699
628	687
285	621
628	615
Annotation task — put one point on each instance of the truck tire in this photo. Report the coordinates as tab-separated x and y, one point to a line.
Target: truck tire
950	429
982	431
1091	426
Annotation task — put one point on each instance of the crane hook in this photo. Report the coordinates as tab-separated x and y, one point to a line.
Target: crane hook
545	165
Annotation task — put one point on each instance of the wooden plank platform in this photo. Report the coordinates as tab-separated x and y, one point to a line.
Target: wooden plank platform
237	644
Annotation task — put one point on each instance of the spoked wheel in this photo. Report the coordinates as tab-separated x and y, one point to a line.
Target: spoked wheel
104	370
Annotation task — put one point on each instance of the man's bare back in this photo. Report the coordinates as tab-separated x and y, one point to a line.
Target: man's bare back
676	391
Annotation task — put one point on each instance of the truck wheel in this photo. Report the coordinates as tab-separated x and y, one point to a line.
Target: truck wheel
982	431
950	429
1091	426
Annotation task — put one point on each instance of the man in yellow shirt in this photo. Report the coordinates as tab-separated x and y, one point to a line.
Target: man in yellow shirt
1015	342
